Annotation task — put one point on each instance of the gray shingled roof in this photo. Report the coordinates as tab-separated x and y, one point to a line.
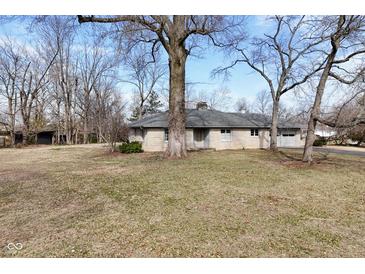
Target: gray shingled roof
207	118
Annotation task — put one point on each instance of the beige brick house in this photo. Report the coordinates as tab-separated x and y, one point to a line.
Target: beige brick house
212	129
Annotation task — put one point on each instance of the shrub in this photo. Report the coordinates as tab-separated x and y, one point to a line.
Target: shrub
320	142
132	147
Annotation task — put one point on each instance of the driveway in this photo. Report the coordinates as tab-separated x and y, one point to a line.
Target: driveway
355	151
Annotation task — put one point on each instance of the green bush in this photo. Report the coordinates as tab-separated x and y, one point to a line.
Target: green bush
132	147
320	142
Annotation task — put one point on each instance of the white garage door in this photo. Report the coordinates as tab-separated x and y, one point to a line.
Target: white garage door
287	138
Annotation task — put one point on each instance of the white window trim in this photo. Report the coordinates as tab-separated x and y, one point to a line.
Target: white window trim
254	135
223	135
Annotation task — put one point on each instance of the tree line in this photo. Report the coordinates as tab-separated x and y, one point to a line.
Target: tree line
63	78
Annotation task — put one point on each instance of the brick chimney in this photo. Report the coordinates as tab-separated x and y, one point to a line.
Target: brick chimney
201	105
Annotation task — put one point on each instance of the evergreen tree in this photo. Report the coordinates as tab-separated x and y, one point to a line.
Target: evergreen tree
153	104
135	114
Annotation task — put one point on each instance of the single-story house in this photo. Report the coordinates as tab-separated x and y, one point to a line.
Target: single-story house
212	129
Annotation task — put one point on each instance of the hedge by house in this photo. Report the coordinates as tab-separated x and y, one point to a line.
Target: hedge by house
132	147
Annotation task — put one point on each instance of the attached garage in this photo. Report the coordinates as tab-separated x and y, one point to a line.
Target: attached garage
289	138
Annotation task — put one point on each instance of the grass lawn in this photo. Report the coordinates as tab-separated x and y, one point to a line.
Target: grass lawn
80	201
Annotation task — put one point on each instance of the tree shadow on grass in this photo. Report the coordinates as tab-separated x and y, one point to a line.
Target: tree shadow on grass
290	157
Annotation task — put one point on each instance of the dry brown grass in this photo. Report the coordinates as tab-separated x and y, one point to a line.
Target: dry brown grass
79	201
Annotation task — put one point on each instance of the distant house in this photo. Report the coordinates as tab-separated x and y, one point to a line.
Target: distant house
212	129
325	131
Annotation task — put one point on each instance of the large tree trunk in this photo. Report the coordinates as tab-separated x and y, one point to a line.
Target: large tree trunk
311	137
25	133
68	122
140	116
67	129
176	143
58	141
12	131
86	132
86	116
12	138
274	126
11	112
25	112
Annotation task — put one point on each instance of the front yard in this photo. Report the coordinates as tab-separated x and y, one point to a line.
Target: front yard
80	201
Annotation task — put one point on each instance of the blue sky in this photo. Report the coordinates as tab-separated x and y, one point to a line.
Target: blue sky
243	82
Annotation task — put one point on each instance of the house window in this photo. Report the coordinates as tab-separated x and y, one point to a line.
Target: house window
254	132
288	134
166	138
226	135
139	133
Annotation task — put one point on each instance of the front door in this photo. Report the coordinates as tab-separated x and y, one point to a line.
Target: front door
201	138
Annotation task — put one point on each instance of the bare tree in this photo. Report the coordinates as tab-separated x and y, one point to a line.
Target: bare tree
103	91
218	99
348	118
108	112
242	105
95	62
115	125
346	42
11	64
357	134
54	80
262	103
173	33
57	33
280	59
32	81
145	76
40	117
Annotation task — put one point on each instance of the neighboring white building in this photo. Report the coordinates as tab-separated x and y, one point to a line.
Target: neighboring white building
325	131
211	129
